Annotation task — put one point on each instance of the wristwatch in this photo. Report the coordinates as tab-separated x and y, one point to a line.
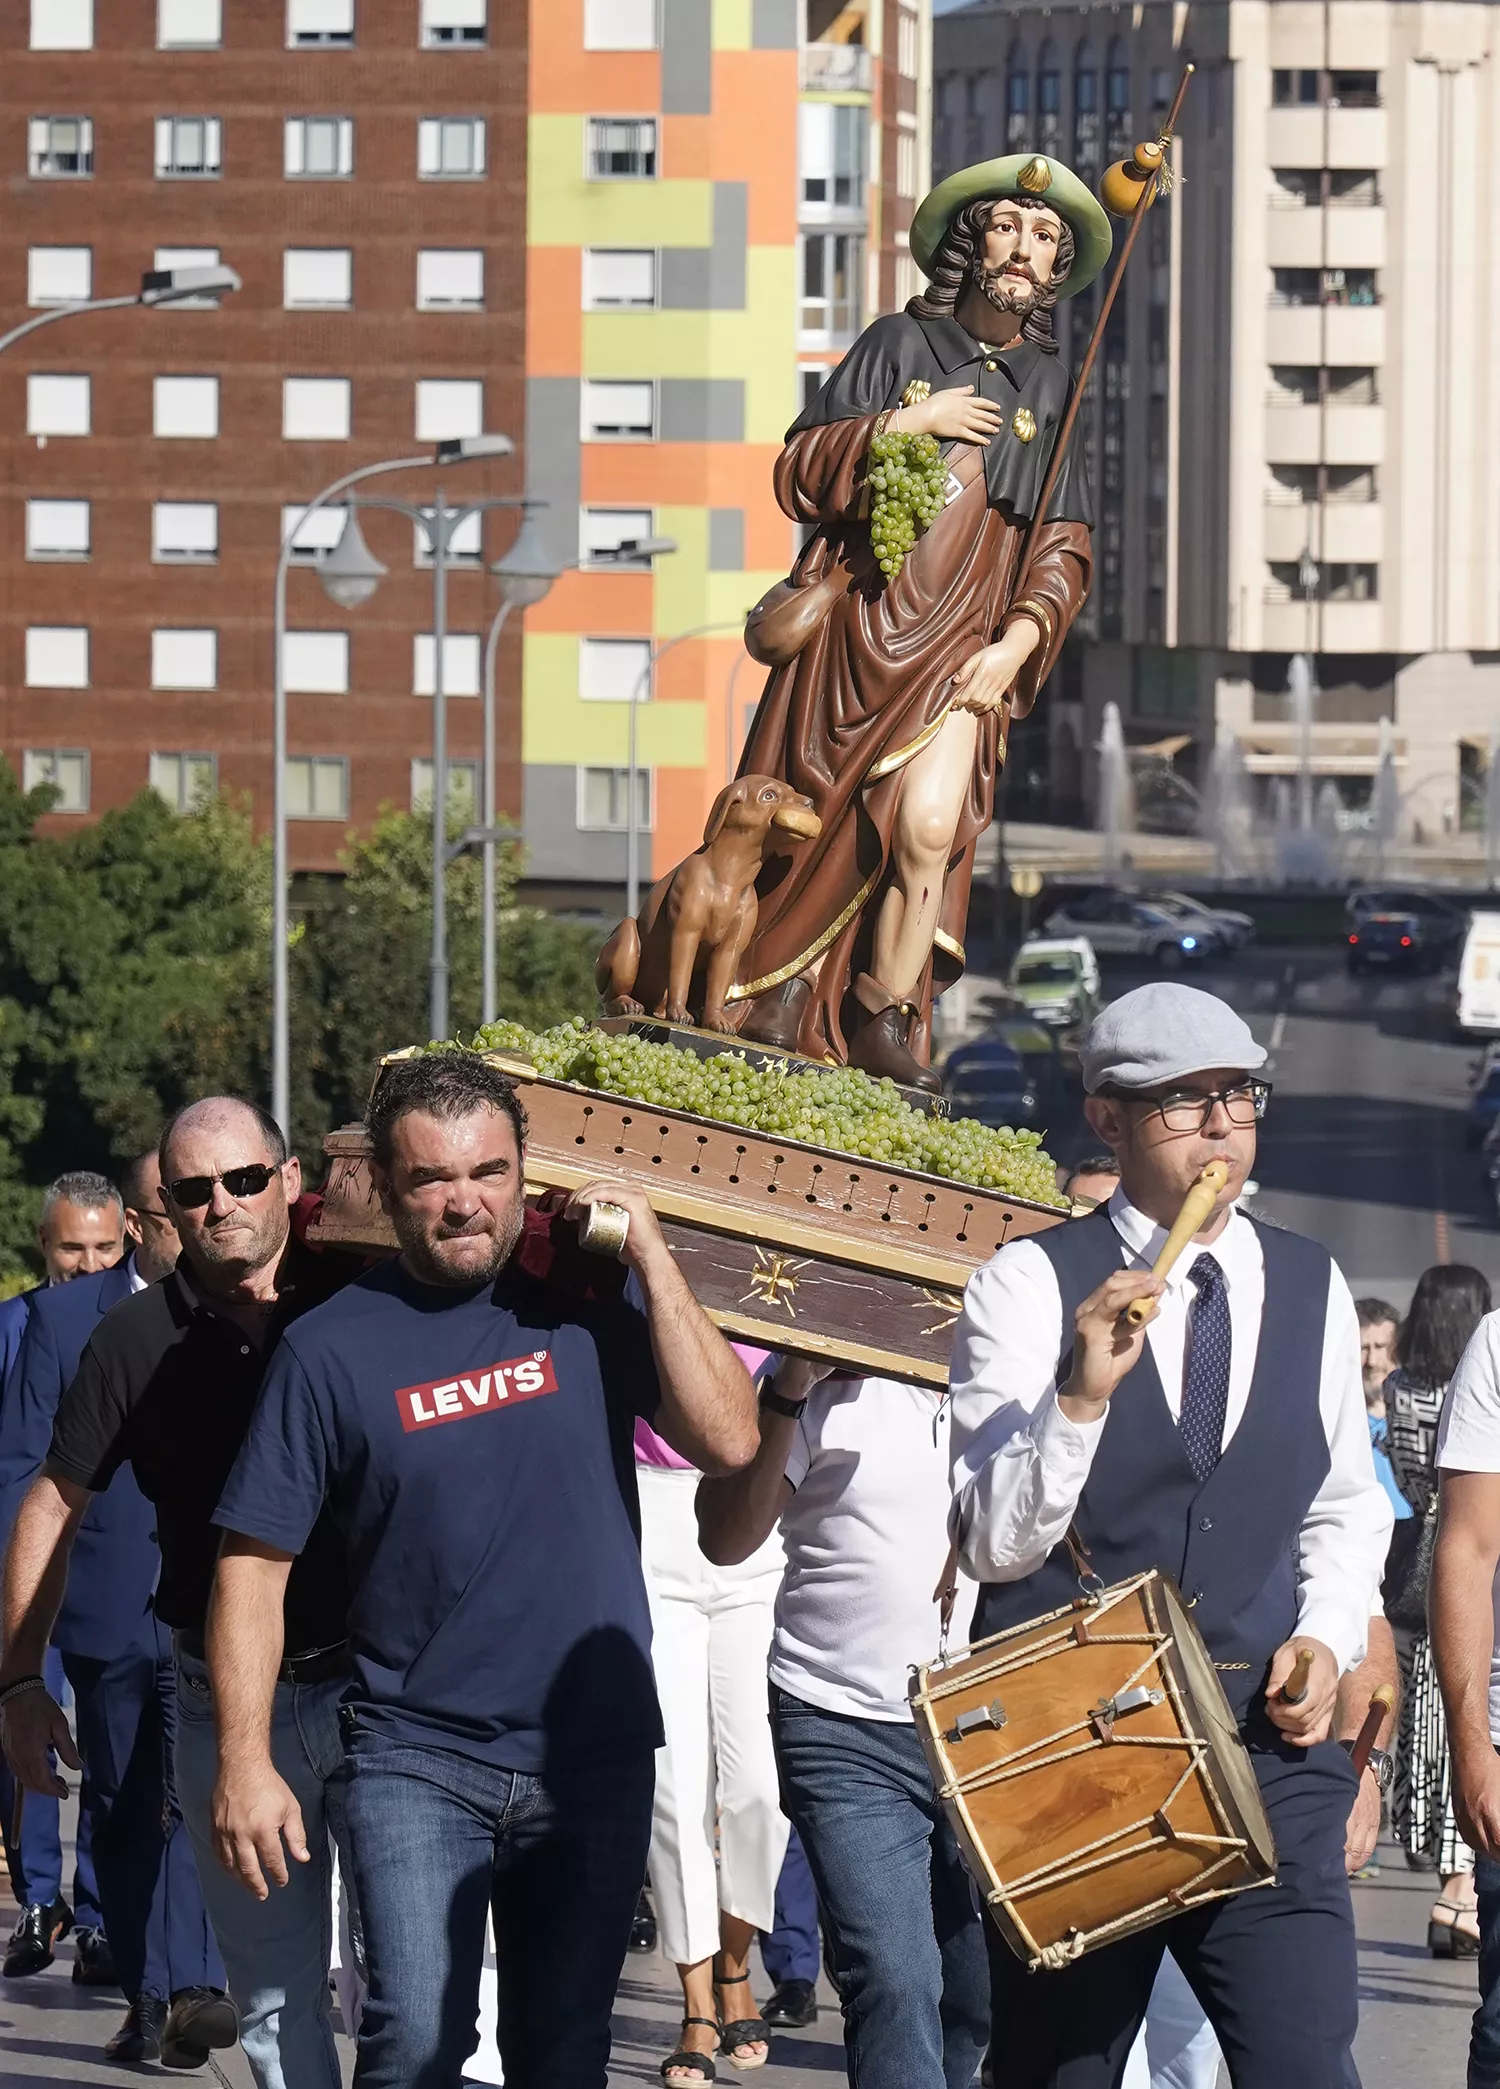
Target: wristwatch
1383	1767
792	1409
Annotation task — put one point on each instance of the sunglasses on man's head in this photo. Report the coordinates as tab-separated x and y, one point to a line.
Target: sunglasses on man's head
193	1191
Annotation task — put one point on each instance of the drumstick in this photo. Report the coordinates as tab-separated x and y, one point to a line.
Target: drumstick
1196	1207
1294	1689
1380	1708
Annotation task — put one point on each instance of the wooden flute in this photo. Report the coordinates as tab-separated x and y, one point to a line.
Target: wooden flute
1197	1206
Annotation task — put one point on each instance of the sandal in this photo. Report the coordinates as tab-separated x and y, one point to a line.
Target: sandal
742	2030
1454	1934
686	2061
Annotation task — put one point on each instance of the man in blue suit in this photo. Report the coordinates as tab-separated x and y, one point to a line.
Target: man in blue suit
118	1658
81	1233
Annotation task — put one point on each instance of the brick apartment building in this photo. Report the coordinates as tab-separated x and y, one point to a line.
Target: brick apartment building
362	165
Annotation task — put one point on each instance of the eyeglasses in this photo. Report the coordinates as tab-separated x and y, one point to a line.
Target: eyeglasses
191	1192
1189	1109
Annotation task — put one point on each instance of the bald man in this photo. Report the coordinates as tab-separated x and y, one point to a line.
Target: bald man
166	1385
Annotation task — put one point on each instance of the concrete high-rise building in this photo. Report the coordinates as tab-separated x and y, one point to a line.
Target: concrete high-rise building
1295	422
361	164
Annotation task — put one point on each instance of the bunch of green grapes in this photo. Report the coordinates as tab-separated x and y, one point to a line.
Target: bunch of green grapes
843	1109
906	478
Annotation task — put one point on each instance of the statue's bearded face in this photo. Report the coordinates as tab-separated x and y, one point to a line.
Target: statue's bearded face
1019	255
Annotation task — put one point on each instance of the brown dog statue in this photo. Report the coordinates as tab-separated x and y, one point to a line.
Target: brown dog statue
701	916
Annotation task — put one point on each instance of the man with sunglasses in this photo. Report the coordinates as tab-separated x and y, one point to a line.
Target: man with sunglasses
1225	1443
167	1385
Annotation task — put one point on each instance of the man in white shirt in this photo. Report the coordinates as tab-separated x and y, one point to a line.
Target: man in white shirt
856	1470
1237	1459
1465	1613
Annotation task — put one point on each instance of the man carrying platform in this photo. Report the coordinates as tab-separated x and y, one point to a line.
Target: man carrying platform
1223	1442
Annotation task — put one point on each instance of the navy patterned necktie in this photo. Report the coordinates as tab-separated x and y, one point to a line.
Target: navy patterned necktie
1205	1371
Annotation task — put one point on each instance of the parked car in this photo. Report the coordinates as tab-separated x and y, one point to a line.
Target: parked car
1443	924
1118	925
988	1079
1233	928
1388	943
1478	999
1484	1098
1056	980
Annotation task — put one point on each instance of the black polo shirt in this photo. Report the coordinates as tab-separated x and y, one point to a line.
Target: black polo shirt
168	1387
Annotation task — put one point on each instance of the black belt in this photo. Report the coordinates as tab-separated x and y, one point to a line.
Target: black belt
312	1665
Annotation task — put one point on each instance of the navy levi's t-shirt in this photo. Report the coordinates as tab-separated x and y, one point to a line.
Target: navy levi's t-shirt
475	1450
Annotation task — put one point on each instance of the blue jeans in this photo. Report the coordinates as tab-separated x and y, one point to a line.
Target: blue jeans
903	1915
1484	2038
438	1841
277	1951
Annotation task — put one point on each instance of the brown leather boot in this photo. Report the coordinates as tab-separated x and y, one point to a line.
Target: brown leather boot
776	1018
881	1045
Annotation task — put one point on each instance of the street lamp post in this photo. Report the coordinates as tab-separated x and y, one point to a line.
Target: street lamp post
632	815
159	286
351	580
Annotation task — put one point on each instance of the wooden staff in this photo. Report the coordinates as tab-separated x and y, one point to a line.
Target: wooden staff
1090	354
1380	1710
1294	1689
1196	1208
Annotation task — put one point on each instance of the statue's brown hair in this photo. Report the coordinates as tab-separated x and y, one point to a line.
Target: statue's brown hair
959	258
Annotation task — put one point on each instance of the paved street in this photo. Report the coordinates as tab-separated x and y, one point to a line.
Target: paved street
1363	1149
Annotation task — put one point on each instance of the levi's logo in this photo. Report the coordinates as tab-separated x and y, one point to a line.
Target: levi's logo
479	1392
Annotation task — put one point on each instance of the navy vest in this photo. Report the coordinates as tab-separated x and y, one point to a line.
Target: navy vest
1230	1541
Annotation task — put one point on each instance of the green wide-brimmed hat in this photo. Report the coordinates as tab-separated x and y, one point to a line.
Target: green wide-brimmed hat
1028	177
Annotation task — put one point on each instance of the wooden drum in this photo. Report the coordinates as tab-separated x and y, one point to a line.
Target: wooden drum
1093	1772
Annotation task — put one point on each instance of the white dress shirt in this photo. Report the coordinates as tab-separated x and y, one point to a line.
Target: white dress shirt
1019	1463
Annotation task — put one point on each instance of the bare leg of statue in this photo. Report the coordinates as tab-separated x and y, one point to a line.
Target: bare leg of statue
932	800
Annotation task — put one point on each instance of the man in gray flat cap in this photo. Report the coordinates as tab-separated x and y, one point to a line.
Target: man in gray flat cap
1225	1443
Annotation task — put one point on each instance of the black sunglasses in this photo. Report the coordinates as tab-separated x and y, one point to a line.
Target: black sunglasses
193	1191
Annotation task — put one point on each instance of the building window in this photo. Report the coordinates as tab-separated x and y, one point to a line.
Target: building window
621	148
1350	286
186	781
184	659
449	408
185	532
450	279
188	147
603	534
317	278
1351	386
66	769
315	537
57	656
316	663
1017	98
614	670
1353	188
319	148
831	147
188	24
1354	91
1296	188
317	787
906	164
906	42
59	275
1292	486
831	266
185	408
1350	484
465	544
604	799
57	529
1294	90
1296	286
189	257
620	25
619	278
57	405
319	22
60	148
1293	384
618	412
62	25
315	409
460	663
449	22
463	788
450	148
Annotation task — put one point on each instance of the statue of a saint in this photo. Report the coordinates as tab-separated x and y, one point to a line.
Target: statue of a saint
888	707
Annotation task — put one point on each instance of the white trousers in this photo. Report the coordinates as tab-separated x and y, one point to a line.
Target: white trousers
716	1776
1176	2048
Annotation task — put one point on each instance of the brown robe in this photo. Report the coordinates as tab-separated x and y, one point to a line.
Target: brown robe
866	694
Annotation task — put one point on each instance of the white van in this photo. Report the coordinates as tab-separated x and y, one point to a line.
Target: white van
1479	975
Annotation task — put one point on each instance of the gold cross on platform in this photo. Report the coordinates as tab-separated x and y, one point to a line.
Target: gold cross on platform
774	1280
